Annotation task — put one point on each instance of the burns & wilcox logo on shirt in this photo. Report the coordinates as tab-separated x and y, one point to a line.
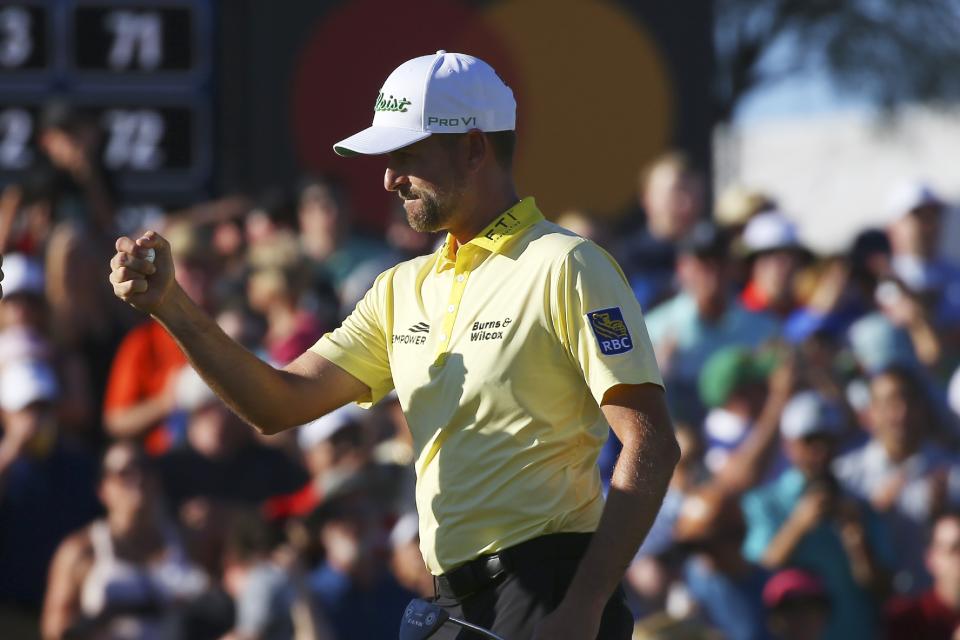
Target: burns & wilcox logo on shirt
481	331
610	331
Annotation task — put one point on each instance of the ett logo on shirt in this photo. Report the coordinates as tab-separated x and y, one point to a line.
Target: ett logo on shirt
610	330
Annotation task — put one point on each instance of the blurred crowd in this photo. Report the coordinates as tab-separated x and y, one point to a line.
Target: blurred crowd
816	399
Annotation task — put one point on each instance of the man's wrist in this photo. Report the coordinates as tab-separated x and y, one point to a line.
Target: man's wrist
796	526
9	453
587	599
171	308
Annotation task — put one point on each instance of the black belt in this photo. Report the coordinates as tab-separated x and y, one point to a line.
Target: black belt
472	576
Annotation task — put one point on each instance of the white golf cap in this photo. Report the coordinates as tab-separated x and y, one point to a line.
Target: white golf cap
324	427
770	231
191	392
440	93
908	196
809	413
25	382
953	392
22	274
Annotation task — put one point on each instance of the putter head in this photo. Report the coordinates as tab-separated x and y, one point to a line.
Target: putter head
421	619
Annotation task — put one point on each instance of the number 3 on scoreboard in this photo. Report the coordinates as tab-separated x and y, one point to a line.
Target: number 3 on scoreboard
16	41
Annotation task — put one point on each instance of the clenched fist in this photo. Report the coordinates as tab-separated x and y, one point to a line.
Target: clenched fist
144	284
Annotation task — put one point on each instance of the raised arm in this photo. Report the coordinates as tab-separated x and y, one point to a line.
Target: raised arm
270	399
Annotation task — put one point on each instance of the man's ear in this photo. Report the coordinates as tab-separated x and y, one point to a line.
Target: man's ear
477	148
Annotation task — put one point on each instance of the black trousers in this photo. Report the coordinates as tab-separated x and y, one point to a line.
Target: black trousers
513	604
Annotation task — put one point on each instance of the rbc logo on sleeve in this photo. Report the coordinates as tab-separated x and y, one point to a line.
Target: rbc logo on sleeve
610	330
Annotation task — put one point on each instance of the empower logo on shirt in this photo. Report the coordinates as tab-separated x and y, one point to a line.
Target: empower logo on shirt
610	331
410	337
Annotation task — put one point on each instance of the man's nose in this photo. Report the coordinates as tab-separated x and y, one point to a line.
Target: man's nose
392	179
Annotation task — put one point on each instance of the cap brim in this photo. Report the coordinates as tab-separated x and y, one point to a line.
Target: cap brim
376	140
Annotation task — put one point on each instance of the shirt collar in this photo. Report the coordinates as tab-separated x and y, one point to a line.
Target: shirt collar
505	228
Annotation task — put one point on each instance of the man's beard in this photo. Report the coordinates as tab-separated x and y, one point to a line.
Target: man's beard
434	211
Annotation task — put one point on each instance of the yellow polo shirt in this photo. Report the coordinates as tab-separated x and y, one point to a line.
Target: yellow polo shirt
500	352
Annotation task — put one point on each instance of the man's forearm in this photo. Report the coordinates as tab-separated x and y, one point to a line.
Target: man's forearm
134	421
640	480
260	394
782	545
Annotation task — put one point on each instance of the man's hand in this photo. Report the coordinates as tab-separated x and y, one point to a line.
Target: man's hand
143	284
811	510
888	492
66	152
570	622
939	490
18	434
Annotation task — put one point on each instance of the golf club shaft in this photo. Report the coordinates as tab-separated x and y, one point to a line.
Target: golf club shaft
466	625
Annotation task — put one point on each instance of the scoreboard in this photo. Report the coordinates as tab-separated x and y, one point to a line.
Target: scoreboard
143	69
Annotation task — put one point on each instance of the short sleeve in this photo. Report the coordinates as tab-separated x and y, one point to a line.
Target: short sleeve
760	526
264	601
130	371
599	322
359	345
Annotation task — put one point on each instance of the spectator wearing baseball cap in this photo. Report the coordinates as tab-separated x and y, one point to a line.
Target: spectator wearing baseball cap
27	333
774	255
220	459
916	215
46	481
798	605
338	450
333	446
688	328
23	302
953	394
797	519
23	313
733	384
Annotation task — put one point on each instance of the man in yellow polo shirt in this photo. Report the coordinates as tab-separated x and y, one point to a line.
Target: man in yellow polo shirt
511	349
